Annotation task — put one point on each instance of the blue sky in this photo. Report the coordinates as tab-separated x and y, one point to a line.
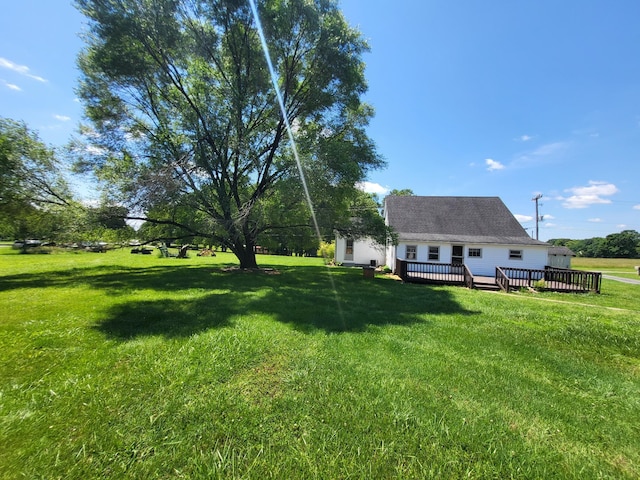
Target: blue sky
498	98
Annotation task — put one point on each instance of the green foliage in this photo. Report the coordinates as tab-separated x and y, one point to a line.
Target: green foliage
327	251
34	195
186	128
128	366
625	244
405	192
540	285
363	219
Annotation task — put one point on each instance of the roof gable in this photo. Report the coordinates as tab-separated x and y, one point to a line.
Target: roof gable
479	219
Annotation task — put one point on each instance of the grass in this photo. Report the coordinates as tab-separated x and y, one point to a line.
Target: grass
622	264
125	366
620	267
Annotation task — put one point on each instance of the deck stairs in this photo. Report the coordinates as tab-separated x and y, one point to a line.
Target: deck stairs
485	283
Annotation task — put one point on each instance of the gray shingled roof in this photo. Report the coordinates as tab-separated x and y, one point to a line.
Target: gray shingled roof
455	219
561	251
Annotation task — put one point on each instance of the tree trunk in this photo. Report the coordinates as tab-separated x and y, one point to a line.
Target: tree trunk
247	256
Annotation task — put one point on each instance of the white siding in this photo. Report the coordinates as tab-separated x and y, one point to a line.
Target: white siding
533	257
391	256
341	246
423	252
560	261
364	251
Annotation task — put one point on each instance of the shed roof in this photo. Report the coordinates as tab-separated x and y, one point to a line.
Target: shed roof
561	251
484	220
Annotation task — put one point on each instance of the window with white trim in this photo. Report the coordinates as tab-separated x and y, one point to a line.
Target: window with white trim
434	253
412	252
348	252
515	254
474	252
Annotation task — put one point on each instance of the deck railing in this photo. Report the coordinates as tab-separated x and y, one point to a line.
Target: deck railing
468	277
502	280
585	281
550	278
429	272
507	278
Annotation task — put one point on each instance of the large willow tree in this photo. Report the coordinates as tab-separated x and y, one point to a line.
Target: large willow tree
185	123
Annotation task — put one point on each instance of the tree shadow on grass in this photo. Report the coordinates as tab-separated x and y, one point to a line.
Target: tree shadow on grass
117	279
194	298
304	297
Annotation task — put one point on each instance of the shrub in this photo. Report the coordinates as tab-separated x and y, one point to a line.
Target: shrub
327	251
540	285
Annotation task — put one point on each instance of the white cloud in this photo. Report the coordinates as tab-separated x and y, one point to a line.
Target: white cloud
591	194
523	218
493	165
594	220
622	226
549	149
636	207
543	154
549	217
525	138
11	86
21	69
549	225
62	118
371	187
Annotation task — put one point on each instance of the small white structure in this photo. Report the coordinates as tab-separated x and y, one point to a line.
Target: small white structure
360	252
560	257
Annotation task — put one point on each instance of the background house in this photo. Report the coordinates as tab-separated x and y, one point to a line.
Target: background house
479	232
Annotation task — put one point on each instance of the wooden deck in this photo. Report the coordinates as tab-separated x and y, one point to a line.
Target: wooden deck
506	278
551	278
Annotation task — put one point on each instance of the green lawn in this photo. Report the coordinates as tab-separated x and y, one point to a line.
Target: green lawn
128	366
621	267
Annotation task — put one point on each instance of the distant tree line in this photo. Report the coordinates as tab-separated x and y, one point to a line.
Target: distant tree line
625	244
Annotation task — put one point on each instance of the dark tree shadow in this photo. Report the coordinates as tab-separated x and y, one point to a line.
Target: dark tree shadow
309	298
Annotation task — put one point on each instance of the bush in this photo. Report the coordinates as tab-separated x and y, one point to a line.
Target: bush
540	285
327	251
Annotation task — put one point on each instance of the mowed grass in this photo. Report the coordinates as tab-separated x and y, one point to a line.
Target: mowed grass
126	366
620	267
623	264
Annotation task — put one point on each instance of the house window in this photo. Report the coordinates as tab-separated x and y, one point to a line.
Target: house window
515	254
475	252
434	253
412	252
348	253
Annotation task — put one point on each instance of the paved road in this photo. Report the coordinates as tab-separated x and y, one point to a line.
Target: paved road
621	279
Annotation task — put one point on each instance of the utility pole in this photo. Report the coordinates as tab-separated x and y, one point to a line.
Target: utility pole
538	218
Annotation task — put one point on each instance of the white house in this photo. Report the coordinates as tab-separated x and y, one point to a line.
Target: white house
479	232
